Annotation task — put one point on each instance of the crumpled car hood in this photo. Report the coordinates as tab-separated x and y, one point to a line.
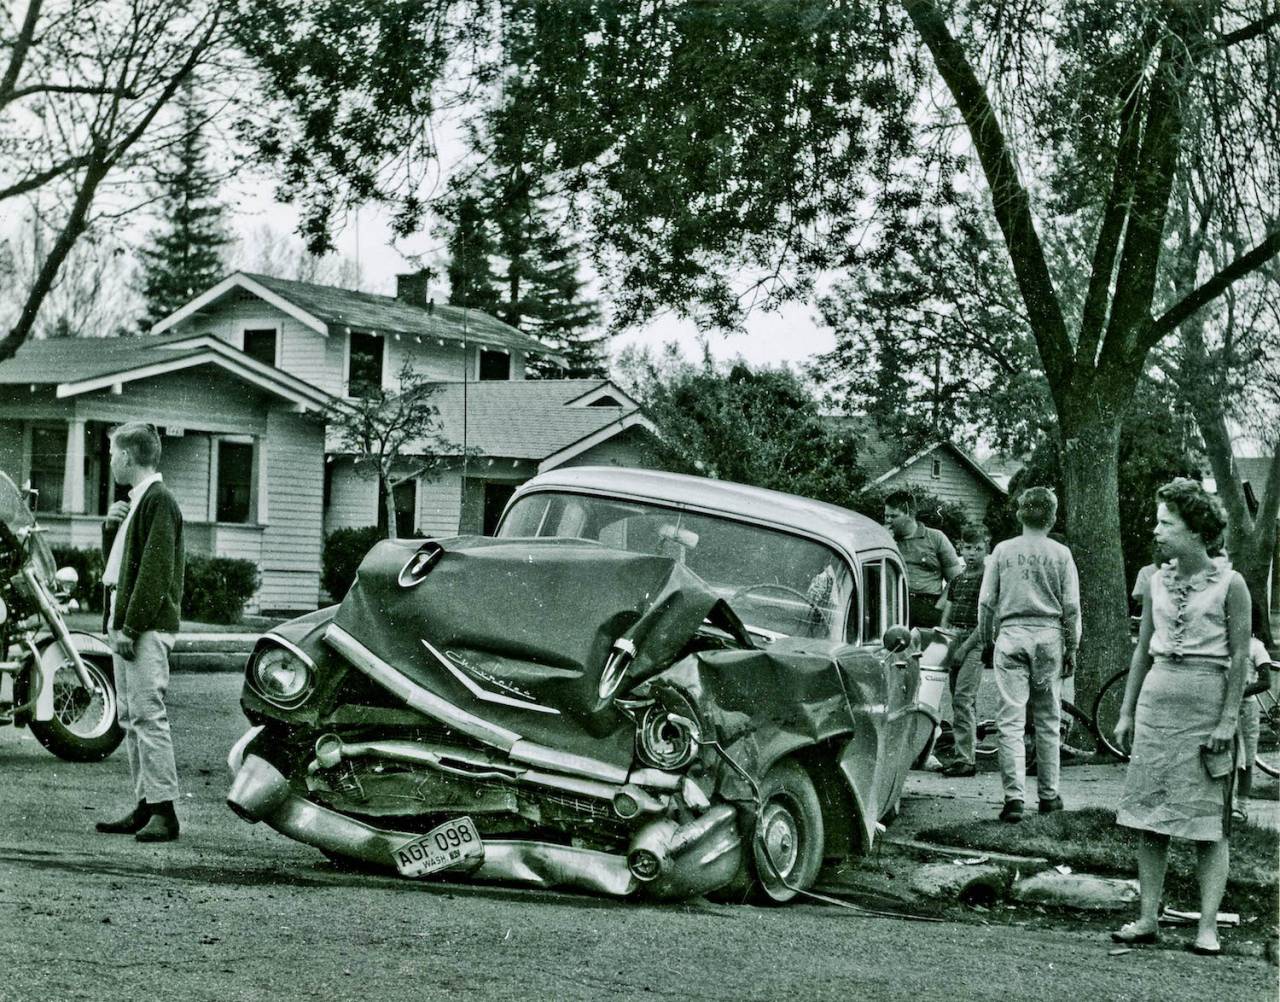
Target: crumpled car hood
514	629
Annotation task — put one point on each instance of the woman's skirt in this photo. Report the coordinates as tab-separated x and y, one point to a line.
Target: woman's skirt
1167	789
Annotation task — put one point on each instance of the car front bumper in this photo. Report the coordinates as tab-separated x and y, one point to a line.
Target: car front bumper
689	859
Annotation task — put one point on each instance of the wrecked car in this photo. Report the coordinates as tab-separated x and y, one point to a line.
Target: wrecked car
643	684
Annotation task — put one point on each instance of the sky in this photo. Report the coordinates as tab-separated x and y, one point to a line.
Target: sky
791	335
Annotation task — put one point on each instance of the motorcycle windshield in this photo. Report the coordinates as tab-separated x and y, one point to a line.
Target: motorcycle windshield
19	520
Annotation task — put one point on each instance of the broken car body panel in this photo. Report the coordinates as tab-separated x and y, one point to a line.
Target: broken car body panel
583	689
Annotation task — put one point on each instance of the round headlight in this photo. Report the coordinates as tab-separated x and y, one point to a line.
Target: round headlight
281	675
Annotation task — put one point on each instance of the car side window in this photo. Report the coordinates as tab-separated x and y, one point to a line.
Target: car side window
873	619
895	596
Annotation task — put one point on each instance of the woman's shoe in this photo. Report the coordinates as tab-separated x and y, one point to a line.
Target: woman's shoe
1203	951
1131	935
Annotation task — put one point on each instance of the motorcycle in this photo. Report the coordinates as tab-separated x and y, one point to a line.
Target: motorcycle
57	682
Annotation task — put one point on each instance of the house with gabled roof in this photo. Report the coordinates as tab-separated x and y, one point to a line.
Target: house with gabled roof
242	446
239	382
942	468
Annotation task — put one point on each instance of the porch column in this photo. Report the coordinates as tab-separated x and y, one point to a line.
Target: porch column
260	484
73	469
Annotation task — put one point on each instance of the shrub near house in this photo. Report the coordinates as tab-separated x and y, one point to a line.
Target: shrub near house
215	589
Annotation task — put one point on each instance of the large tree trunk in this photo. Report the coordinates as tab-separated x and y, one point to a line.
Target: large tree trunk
1090	456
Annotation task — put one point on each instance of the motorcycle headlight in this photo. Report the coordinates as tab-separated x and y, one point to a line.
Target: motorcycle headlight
282	675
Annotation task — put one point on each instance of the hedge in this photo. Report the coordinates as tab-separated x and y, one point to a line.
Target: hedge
216	588
343	551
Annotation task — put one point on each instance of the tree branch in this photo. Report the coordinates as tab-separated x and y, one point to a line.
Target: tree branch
21	46
1211	289
1250	30
1094	313
1010	200
1157	163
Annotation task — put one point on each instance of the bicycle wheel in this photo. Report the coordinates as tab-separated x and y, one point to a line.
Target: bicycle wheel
1080	742
1106	711
1268	759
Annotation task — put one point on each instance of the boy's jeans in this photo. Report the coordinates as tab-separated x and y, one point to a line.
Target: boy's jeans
1028	666
964	679
140	689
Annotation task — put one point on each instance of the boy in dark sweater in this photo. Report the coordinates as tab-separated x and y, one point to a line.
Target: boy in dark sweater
142	542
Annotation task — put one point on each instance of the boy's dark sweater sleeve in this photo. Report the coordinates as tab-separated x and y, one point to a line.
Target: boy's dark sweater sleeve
156	568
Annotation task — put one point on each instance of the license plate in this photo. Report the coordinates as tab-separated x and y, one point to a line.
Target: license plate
449	844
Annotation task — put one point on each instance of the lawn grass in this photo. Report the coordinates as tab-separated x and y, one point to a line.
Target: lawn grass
1090	841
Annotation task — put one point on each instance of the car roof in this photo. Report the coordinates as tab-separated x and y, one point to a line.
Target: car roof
849	531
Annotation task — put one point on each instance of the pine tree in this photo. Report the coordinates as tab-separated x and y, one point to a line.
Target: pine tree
472	282
185	253
542	292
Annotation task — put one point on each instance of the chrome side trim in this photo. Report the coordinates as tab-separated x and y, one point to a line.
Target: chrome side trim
485	694
425	701
552	758
422	700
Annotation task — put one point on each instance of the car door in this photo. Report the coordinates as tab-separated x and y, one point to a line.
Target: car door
885	605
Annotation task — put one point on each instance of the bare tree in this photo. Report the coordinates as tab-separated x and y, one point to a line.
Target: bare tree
267	251
394	436
84	89
91	296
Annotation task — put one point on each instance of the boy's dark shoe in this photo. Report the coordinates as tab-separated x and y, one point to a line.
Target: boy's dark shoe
1011	812
1051	806
163	825
957	770
131	823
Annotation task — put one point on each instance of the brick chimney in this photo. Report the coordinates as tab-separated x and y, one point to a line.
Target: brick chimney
413	288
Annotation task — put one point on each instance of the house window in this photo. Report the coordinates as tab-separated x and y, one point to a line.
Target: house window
364	375
494	364
260	345
48	464
406	497
235	481
936	471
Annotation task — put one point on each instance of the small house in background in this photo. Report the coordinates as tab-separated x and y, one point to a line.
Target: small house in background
942	468
239	382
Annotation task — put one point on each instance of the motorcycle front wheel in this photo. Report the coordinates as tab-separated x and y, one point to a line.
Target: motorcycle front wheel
85	725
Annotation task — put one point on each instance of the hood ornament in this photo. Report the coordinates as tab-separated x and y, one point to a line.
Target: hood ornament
417	566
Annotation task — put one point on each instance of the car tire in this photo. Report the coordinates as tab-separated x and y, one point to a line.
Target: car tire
788	843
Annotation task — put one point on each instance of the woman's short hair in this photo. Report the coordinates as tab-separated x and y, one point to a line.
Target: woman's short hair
1037	507
1199	510
140	441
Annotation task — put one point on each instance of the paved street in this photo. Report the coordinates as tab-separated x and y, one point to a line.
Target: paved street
233	911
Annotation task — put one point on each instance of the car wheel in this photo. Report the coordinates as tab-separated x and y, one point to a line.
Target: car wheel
786	851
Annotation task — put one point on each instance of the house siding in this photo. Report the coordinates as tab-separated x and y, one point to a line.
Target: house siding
440	504
11	449
291	541
625	449
954	483
184	462
353	497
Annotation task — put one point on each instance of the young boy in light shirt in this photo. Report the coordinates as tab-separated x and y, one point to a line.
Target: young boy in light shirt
1030	605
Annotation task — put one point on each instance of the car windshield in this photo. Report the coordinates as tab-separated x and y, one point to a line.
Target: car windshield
779	584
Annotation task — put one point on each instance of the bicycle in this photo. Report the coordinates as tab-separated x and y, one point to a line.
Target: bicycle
1110	698
1079	740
